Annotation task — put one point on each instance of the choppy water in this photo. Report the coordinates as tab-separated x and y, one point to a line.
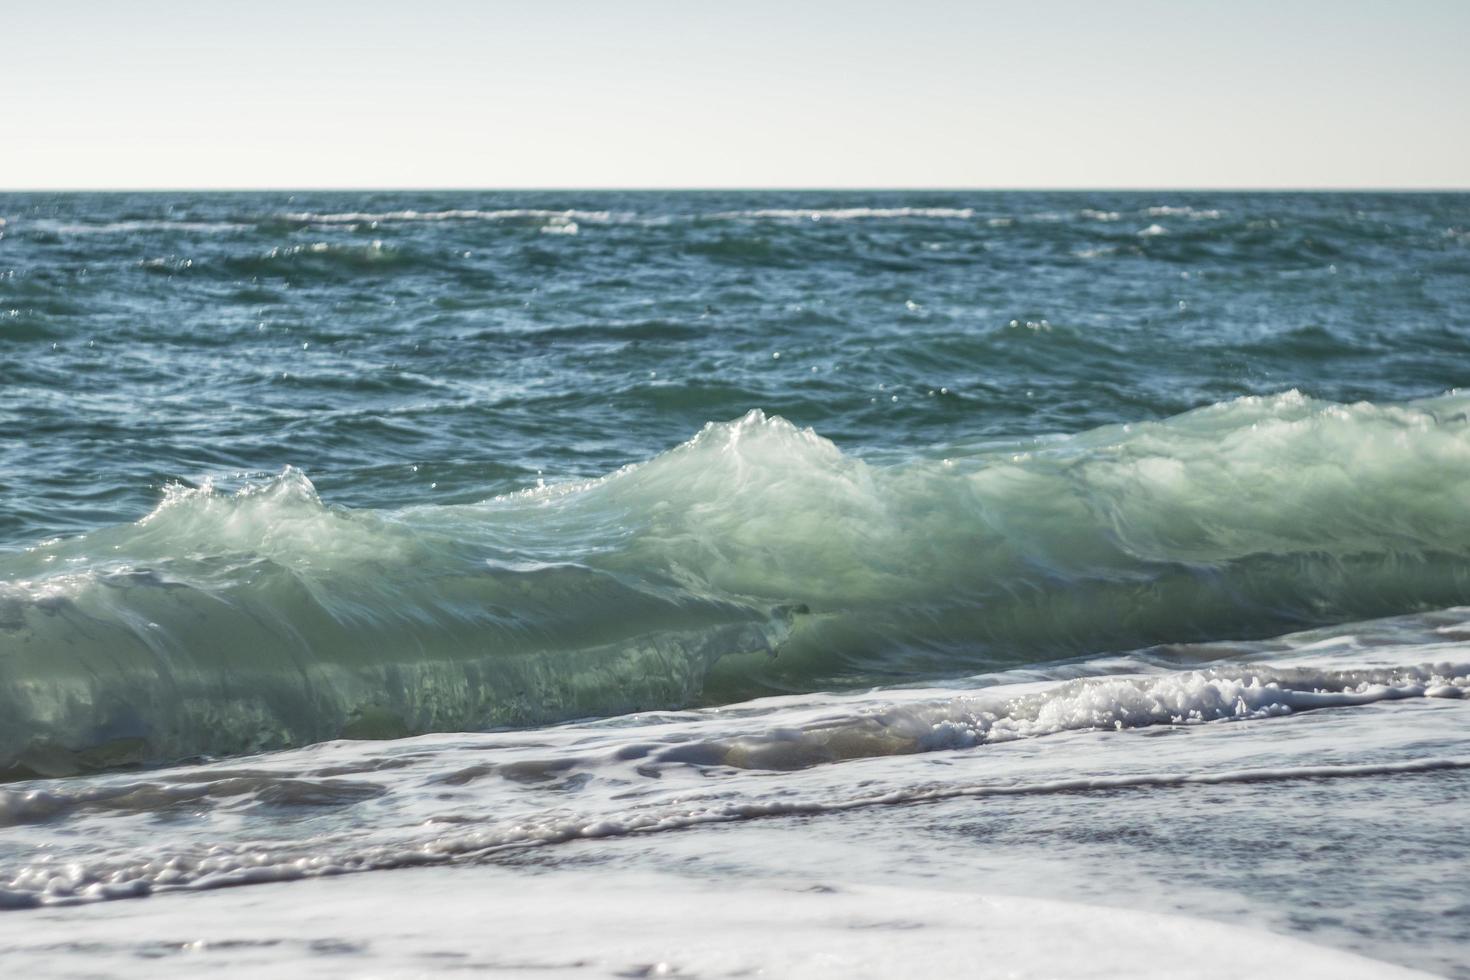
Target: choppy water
977	494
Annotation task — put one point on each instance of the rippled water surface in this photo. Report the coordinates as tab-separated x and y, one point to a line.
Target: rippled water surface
417	348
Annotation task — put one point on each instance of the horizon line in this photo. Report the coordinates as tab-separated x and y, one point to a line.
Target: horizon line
773	188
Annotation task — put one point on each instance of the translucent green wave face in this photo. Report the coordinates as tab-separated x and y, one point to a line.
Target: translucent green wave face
756	557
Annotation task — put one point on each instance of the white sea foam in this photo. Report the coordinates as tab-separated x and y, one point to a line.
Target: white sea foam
618	923
49	881
52	881
1103	777
784	734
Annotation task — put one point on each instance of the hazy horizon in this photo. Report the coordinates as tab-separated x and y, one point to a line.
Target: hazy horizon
649	94
733	189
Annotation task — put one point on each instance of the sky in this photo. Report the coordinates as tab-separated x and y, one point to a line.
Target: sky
742	93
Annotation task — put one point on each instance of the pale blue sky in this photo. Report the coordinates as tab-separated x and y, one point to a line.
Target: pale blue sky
656	93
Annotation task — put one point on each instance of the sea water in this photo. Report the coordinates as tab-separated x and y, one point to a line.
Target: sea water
723	583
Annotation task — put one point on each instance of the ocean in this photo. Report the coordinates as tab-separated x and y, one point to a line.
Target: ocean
733	584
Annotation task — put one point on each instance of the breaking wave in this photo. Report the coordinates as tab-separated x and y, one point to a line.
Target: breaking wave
755	558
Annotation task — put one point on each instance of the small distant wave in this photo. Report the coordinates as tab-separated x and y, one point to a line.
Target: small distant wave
129	227
844	214
1097	252
1183	211
304	261
453	214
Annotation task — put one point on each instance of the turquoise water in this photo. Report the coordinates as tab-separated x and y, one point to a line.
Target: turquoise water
978	491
